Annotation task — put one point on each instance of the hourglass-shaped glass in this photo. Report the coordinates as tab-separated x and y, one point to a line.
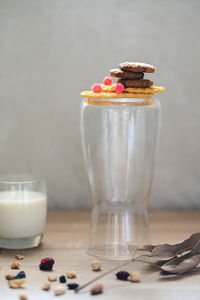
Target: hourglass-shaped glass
119	140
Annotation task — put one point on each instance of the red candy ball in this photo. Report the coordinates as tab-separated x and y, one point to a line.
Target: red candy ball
107	81
97	88
119	88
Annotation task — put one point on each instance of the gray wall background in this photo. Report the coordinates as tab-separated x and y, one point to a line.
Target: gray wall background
50	50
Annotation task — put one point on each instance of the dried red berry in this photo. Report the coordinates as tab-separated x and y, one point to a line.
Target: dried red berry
46	264
122	275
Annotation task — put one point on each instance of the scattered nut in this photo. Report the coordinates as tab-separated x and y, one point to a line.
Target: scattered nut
16	284
46	286
19	256
9	276
15	265
96	289
23	297
122	275
59	290
13	285
71	274
134	276
96	265
52	278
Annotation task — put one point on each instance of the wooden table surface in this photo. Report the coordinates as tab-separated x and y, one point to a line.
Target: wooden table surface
65	240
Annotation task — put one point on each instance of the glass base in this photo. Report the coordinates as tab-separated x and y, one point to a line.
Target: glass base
117	234
21	243
113	251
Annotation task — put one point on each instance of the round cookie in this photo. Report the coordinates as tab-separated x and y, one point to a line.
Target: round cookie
143	83
128	75
136	67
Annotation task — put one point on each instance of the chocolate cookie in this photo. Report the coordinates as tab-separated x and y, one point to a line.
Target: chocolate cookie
128	75
136	67
143	83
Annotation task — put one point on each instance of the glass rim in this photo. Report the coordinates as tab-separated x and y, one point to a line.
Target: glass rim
122	101
20	178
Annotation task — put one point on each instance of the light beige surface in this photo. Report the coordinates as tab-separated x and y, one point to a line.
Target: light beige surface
66	240
53	49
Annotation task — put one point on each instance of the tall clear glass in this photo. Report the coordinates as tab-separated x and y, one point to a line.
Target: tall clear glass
119	140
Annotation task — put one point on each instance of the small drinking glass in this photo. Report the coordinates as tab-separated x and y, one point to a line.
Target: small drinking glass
23	207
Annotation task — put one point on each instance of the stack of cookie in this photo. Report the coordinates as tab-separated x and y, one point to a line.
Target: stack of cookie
131	75
130	84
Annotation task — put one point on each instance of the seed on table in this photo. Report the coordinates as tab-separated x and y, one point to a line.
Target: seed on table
122	275
59	290
96	289
21	274
19	256
96	265
46	286
72	286
52	278
62	279
23	297
134	276
15	265
71	274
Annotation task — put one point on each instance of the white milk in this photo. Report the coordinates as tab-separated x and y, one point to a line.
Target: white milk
22	214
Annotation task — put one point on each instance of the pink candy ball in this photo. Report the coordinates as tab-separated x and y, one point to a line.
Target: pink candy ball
107	81
97	88
119	88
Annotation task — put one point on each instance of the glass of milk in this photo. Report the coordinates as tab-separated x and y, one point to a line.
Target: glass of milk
23	207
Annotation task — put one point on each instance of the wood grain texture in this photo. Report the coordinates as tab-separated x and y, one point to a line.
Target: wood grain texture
65	240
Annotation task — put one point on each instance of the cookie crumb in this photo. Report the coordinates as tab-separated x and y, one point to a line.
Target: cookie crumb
23	297
9	276
59	290
46	286
15	265
96	289
16	284
134	276
52	278
96	265
19	257
71	274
